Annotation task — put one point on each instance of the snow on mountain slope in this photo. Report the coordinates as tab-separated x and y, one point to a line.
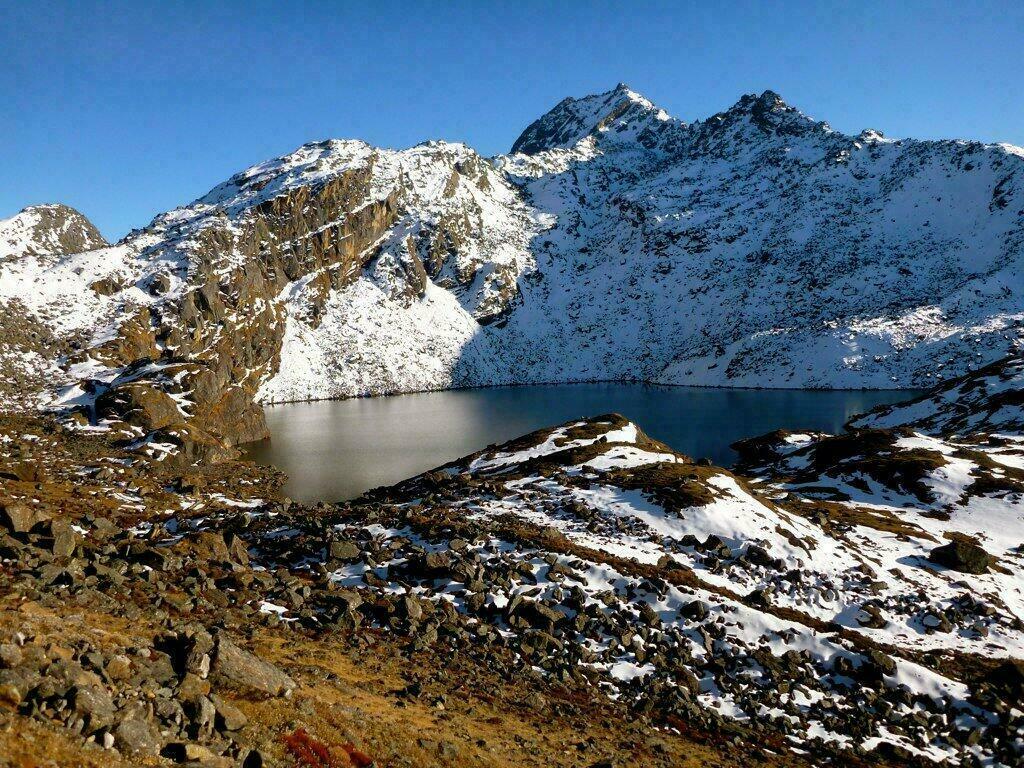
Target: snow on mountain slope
989	400
368	344
413	319
317	247
621	113
31	342
756	248
47	230
761	248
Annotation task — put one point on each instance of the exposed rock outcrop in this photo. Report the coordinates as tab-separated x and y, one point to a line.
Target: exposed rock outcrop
962	556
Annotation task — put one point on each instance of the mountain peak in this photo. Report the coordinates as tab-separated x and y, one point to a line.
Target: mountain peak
768	113
574	119
767	100
771	98
48	229
623	90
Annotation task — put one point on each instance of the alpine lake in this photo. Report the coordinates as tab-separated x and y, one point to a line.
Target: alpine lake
336	450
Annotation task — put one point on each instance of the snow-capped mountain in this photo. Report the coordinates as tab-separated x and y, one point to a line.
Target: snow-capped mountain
30	346
776	251
755	248
47	230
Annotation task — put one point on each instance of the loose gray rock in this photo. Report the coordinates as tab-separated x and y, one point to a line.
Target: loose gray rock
230	717
137	737
344	551
411	608
10	655
95	705
244	669
65	538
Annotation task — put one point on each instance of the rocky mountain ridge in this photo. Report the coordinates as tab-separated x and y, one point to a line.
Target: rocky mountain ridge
755	248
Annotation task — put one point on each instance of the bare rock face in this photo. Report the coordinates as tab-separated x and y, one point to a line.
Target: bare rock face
140	404
197	359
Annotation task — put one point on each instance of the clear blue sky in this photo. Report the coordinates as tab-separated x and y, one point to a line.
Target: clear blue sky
124	110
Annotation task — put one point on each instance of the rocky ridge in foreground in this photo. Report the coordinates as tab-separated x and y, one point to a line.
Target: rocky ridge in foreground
850	599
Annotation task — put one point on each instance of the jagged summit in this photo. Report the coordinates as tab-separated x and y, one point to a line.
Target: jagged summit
769	114
768	99
623	115
755	103
614	111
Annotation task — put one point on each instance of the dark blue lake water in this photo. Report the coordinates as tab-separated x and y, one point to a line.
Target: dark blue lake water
337	449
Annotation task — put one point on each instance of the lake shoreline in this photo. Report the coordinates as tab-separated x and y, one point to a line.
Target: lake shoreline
336	449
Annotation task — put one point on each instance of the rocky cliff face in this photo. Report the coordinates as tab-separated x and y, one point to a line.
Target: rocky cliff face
758	247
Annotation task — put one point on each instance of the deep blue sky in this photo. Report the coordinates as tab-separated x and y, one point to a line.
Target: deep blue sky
124	110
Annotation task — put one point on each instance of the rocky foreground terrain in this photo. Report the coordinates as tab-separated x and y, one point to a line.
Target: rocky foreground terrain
580	596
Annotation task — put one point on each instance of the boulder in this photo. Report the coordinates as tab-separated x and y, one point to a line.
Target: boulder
343	551
21	518
1008	677
106	286
134	736
696	610
248	671
95	705
65	538
962	556
10	655
411	608
229	717
540	614
875	666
